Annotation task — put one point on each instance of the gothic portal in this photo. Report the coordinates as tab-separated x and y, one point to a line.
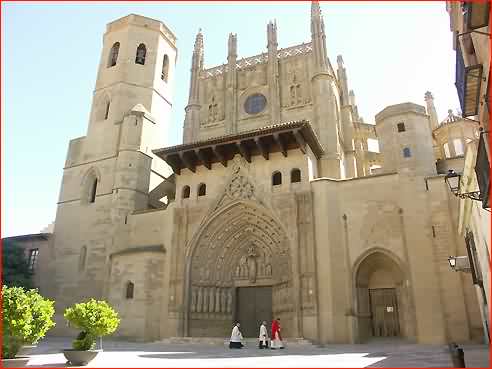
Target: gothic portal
240	245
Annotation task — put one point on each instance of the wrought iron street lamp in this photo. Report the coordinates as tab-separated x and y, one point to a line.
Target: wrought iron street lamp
453	180
452	262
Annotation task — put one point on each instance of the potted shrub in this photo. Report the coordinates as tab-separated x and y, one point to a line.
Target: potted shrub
94	319
26	319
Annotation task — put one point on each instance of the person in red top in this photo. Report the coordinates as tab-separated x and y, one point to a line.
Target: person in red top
276	341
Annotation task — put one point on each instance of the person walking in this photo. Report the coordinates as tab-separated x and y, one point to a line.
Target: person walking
236	338
276	342
263	338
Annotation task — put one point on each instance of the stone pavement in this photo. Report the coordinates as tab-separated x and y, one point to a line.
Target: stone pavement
124	354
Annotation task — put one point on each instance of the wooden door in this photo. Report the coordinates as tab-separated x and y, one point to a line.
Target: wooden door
254	305
384	312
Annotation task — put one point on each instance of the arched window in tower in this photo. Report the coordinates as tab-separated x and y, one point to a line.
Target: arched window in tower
165	68
406	152
141	53
106	109
202	189
93	191
130	290
276	179
113	54
82	258
185	194
295	176
89	187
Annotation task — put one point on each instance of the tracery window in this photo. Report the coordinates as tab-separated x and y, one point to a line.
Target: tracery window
255	104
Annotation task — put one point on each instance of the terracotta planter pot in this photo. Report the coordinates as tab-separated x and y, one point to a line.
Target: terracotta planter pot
79	358
17	362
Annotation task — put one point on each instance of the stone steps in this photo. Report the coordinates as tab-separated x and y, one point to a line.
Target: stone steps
225	341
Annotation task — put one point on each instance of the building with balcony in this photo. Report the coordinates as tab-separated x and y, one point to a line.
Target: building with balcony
470	27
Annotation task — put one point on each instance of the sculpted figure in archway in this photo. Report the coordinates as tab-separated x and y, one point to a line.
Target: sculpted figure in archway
252	263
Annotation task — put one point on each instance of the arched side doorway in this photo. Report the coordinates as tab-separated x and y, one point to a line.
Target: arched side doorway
383	298
239	269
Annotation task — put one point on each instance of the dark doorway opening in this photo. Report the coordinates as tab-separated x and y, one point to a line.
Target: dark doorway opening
384	312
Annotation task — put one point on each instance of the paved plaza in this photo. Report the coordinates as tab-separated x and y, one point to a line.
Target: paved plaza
379	354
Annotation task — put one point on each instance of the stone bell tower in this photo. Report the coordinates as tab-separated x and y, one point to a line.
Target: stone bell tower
109	173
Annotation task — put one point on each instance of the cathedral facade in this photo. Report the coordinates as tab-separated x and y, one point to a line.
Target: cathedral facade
273	206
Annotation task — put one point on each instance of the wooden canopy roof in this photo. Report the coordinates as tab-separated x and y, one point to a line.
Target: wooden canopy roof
264	141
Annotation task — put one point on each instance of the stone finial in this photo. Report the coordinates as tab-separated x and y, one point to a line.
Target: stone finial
315	9
340	61
199	40
232	45
272	34
352	98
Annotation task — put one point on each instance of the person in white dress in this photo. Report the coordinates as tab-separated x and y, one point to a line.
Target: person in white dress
236	338
263	338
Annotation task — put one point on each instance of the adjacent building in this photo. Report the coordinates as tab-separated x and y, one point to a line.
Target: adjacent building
470	26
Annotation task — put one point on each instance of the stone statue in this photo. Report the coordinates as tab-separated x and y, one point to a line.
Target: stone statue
205	300
211	300
252	263
268	266
193	299
243	266
223	301
229	301
199	300
217	300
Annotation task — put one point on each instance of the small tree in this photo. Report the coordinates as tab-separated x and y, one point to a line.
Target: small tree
26	318
15	271
95	319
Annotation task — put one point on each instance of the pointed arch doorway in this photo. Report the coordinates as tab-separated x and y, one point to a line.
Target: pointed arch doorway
383	297
239	268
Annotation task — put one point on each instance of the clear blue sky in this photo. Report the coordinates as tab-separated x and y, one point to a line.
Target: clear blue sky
393	52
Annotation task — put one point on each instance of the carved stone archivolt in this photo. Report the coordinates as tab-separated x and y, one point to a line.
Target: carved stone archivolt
242	243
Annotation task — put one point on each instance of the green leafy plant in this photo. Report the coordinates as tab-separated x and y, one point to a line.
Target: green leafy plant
27	316
94	319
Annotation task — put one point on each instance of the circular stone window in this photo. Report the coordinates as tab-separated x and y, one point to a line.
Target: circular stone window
255	104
